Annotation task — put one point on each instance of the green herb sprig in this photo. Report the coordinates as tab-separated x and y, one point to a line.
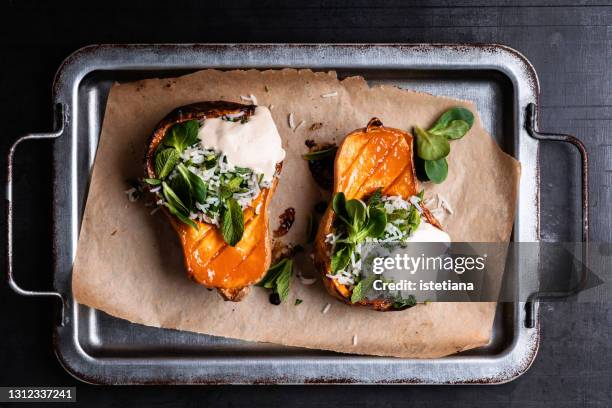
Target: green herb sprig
433	144
184	190
360	220
278	278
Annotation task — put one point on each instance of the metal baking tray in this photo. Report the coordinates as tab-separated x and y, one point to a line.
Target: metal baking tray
98	348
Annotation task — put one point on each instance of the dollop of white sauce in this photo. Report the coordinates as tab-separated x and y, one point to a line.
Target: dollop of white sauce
428	233
254	144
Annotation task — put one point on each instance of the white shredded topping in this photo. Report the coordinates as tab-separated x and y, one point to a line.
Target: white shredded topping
354	340
246	98
445	205
299	125
326	308
329	95
415	201
253	99
291	120
271	107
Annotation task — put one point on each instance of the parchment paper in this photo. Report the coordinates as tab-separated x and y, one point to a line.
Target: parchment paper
129	263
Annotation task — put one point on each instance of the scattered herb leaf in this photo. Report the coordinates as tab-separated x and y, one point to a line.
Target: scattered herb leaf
298	302
431	146
320	154
437	170
278	278
232	222
451	115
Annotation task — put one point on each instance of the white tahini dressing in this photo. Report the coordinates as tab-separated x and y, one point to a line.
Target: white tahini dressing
255	144
428	233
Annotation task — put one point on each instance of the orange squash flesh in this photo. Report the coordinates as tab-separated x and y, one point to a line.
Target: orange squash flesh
367	159
209	260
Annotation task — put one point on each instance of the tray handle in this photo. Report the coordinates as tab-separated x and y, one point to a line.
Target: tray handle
60	125
532	128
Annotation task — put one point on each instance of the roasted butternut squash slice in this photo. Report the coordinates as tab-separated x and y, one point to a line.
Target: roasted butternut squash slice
368	159
209	260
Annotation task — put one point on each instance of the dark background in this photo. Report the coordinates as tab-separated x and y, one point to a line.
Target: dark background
568	41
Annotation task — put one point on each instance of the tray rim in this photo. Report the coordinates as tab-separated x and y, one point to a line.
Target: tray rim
99	57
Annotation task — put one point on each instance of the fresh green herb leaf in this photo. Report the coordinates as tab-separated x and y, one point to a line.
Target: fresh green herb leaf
361	289
152	181
341	257
283	282
278	278
356	212
197	187
455	130
376	198
339	207
414	219
269	280
165	161
182	135
180	186
232	222
431	146
174	201
298	302
451	115
400	214
377	222
181	217
320	154
436	170
404	303
234	184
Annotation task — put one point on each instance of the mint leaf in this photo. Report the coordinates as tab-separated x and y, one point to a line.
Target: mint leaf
361	289
341	258
174	201
414	219
404	303
152	181
165	161
278	278
197	187
182	135
232	222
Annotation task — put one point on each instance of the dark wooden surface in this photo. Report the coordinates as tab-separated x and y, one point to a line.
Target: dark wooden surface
570	45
